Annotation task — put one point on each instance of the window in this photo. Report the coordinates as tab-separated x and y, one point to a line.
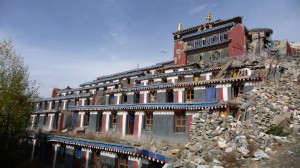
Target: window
150	82
86	119
170	96
123	162
148	121
113	123
99	122
45	119
53	105
136	97
111	98
180	122
60	104
124	98
196	77
189	95
76	102
203	42
180	79
153	96
46	106
225	36
88	101
96	158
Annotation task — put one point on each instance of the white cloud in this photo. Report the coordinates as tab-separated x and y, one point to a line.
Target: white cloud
197	9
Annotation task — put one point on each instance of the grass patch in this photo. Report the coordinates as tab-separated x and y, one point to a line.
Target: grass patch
276	130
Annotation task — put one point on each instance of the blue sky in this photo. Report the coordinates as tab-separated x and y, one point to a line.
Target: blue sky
69	42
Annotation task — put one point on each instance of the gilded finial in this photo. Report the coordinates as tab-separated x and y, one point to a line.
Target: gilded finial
208	17
179	26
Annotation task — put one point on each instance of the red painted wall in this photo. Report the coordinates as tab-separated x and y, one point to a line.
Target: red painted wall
179	54
289	50
142	97
136	125
134	164
220	90
237	36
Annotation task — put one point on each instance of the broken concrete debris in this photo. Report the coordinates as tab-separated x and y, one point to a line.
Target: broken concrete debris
218	141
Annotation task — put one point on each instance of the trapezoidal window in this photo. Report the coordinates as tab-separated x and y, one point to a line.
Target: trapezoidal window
86	119
45	119
113	123
189	95
153	96
124	99
148	121
136	97
180	121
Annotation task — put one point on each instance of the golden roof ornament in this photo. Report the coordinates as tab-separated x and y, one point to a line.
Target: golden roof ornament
179	26
208	17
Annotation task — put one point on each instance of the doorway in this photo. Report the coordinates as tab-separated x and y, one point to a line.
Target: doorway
130	125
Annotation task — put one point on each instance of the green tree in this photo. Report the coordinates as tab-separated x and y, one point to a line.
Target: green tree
17	93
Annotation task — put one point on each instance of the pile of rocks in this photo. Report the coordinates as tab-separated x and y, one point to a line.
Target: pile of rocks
219	141
223	141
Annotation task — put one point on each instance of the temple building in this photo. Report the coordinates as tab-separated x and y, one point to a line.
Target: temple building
158	102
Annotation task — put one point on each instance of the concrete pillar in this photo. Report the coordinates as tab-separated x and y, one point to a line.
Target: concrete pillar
50	126
33	119
122	116
81	115
138	123
64	104
56	147
226	92
50	105
33	148
145	96
87	156
179	95
106	119
118	98
144	82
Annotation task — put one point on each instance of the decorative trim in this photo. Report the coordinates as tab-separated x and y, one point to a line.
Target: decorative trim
179	89
42	115
157	79
146	91
130	93
69	147
106	112
199	88
122	113
95	112
250	83
163	113
160	91
86	149
139	113
188	76
108	154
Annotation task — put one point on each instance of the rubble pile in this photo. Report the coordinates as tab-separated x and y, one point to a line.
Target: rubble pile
217	141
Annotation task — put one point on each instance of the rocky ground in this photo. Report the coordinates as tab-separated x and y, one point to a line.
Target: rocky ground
265	134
